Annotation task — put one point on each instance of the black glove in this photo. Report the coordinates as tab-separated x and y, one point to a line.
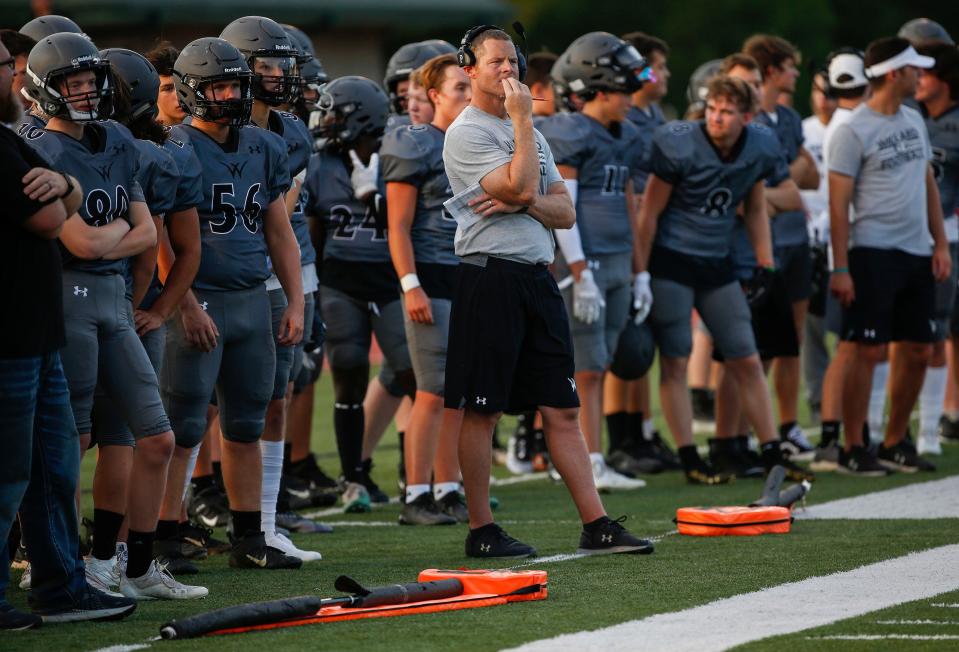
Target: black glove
758	287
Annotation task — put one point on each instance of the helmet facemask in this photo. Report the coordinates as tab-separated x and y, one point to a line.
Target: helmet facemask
276	78
234	112
82	92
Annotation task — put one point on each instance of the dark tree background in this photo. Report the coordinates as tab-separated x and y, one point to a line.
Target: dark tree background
700	30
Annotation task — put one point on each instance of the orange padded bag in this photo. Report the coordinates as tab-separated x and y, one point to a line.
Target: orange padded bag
732	521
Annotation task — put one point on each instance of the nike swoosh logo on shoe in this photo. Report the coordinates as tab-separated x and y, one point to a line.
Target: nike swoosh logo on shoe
299	493
261	562
207	520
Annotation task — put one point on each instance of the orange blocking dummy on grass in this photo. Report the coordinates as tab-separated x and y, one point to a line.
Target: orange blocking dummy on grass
473	589
732	521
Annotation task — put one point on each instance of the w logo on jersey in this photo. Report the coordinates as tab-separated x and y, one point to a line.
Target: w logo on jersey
717	203
236	169
104	171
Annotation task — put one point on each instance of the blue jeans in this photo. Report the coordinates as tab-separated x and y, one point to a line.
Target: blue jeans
39	470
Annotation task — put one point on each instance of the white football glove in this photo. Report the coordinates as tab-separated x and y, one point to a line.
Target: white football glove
364	177
642	297
588	301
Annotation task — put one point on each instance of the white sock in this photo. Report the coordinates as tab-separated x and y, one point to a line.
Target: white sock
930	400
877	401
597	459
648	429
440	489
414	491
272	452
190	465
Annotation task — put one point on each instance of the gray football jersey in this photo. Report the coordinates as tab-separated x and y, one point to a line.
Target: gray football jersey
189	189
701	213
240	179
414	155
351	230
158	176
299	147
647	123
788	228
944	138
396	120
605	163
107	173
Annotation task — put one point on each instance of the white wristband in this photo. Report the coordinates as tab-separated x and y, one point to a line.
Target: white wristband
409	282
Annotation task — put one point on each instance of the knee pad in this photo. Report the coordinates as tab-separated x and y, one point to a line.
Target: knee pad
400	383
243	430
349	384
187	422
310	369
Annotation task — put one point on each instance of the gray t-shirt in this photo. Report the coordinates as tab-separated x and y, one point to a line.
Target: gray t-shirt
888	156
476	144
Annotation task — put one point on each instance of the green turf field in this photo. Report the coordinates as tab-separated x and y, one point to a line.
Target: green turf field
584	593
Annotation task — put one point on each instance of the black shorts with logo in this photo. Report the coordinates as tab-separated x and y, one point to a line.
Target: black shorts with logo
509	342
895	297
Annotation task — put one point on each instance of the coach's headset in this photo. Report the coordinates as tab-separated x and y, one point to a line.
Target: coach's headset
466	57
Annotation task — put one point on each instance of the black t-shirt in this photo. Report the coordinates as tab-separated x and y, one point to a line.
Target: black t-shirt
32	322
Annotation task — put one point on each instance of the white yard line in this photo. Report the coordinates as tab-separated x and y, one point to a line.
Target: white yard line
783	609
885	637
124	648
519	479
917	622
945	605
921	500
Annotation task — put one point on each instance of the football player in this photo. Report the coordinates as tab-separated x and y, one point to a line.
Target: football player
223	339
598	152
74	86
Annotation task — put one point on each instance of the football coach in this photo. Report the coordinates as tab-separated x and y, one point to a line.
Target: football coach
509	340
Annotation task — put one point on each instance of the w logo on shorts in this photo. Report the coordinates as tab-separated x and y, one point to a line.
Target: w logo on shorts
572	383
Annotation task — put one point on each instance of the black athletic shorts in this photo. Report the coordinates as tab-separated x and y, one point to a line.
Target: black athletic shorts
773	325
795	264
895	297
509	344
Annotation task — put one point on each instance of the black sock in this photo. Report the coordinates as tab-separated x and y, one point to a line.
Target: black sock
201	482
592	526
489	527
771	454
830	433
689	456
245	523
218	475
287	457
167	530
784	428
348	424
616	425
106	527
140	547
634	427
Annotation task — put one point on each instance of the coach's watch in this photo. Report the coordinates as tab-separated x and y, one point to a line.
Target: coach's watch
70	186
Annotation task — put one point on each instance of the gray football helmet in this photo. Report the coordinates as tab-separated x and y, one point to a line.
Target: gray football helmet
56	58
407	59
140	77
44	26
600	61
207	60
920	31
351	107
263	42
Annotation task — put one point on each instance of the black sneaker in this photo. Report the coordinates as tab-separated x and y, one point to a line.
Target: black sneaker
666	455
454	504
903	457
725	457
949	429
377	495
296	492
704	474
826	457
12	620
859	461
491	541
630	465
610	538
424	511
203	536
252	552
178	548
796	473
92	604
307	469
210	507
